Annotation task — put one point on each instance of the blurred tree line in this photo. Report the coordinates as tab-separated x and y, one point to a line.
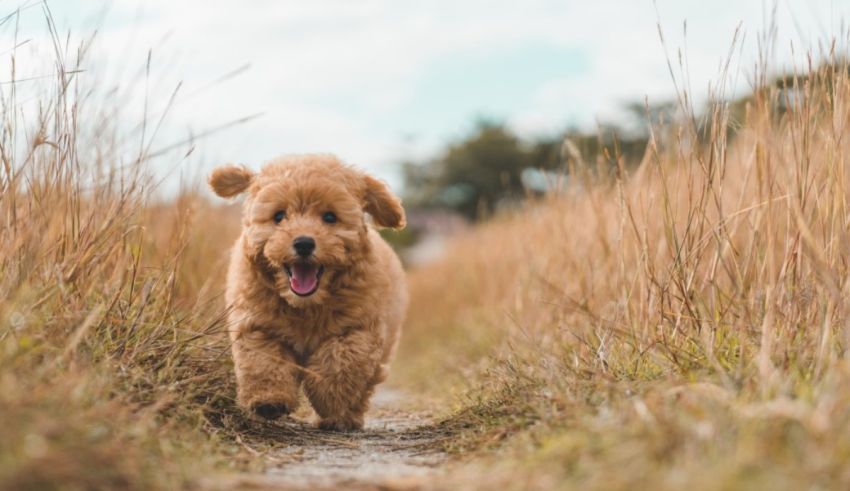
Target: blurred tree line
492	167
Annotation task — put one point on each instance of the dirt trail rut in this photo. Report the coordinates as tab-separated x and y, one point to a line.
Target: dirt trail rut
398	449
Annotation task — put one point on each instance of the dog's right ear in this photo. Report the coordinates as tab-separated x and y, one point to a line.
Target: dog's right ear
229	180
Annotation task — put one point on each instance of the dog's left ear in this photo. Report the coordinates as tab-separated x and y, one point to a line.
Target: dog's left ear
382	204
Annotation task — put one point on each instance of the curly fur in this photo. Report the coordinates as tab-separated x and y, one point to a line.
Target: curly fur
337	342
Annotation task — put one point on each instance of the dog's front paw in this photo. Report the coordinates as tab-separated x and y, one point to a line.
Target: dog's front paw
270	410
341	424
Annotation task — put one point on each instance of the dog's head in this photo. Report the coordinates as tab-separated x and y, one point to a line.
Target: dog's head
304	221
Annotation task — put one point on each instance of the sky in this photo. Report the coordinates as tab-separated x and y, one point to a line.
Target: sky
379	81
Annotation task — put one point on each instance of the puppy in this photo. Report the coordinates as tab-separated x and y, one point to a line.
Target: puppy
316	297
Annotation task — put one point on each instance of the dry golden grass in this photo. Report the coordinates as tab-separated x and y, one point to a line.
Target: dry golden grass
113	372
681	323
107	369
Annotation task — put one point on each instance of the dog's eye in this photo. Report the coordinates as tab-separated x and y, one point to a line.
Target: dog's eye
279	216
329	217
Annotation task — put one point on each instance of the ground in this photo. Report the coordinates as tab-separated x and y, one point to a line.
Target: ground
400	448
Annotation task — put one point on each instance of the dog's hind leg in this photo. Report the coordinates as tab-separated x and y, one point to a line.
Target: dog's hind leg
340	378
267	374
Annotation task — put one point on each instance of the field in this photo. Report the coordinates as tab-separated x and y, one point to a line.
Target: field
677	322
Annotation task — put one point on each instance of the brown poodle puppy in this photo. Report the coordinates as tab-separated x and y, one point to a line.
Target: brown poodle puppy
316	296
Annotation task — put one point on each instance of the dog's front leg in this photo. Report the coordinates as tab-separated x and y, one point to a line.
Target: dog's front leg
340	378
267	375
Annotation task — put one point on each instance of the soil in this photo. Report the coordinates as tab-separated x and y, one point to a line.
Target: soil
400	448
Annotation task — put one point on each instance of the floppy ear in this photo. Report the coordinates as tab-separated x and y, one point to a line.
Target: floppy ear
382	204
230	180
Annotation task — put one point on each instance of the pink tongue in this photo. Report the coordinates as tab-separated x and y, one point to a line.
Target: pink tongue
304	278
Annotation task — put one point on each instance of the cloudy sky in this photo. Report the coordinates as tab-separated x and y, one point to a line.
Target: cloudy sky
377	81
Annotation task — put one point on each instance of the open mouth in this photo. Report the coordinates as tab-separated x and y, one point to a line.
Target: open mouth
304	277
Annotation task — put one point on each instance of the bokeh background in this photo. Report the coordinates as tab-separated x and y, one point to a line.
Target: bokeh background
382	82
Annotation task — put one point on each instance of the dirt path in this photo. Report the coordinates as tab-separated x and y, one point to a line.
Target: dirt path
398	449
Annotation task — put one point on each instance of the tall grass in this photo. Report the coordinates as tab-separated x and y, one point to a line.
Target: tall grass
682	322
110	355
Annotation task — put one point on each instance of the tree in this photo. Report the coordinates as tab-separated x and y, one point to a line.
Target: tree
486	170
474	175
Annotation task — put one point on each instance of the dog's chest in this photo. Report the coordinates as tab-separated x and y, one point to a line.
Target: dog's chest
304	332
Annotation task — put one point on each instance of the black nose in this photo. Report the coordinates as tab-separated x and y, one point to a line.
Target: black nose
304	246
